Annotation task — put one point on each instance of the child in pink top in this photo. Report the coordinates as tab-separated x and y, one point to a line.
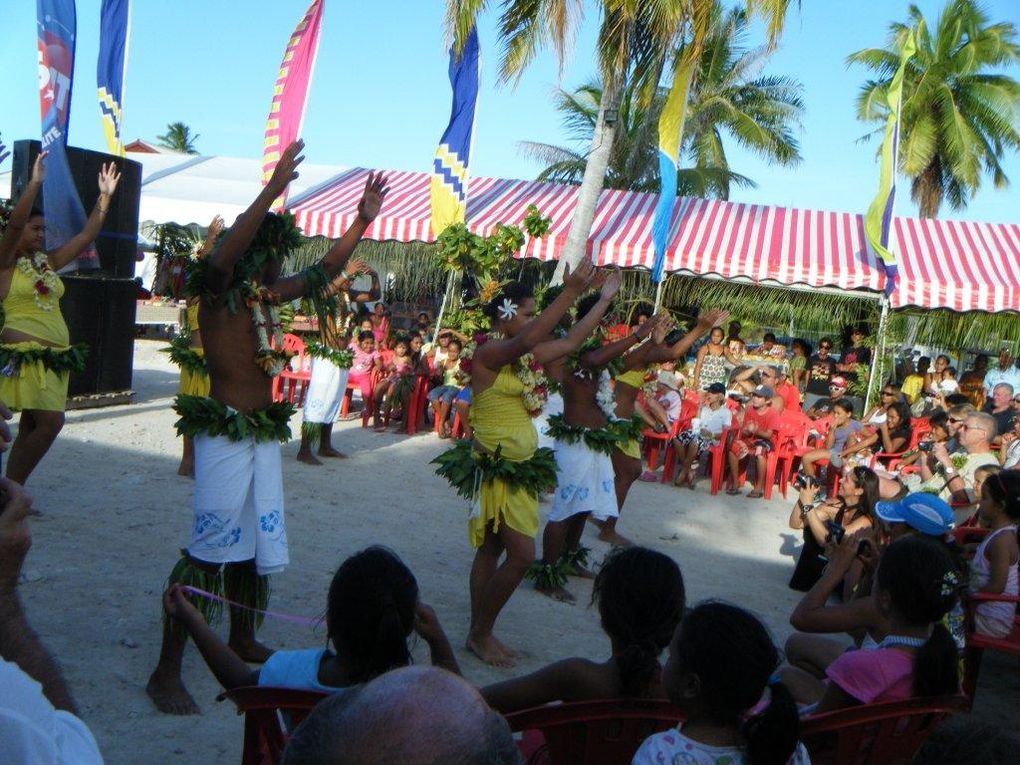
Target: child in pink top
366	360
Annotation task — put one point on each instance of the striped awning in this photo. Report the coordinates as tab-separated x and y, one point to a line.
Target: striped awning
944	264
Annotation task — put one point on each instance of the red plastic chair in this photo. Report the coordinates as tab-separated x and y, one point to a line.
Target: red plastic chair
595	732
920	427
791	434
717	456
875	734
653	442
290	385
265	727
977	644
415	417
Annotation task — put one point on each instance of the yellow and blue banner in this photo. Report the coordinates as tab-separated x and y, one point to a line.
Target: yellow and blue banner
671	128
65	217
878	220
114	22
450	167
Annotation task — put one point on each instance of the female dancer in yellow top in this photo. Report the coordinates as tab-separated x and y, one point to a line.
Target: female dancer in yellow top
35	353
505	390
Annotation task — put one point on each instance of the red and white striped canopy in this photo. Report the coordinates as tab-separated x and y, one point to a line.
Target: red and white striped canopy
943	264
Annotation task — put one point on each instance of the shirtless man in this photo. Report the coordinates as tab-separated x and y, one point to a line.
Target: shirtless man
238	499
627	457
584	435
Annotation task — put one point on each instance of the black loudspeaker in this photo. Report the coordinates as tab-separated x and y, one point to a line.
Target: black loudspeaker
101	313
117	243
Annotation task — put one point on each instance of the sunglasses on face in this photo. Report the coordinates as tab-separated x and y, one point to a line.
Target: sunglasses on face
955	421
1016	400
888	393
825	347
835	387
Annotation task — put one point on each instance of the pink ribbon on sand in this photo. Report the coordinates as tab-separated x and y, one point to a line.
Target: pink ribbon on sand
304	621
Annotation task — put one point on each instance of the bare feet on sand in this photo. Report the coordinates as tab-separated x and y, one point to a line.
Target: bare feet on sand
581	572
252	651
491	651
330	453
186	469
557	593
308	458
616	540
170	696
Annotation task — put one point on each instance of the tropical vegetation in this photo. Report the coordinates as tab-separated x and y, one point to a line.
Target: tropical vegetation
959	116
178	138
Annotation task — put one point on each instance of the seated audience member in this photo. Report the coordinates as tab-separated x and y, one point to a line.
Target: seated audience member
423	323
934	374
850	512
1009	448
913	383
994	567
836	438
786	392
957	414
396	384
380	318
837	392
38	716
952	475
948	385
720	664
974	391
640	598
887	396
888	433
662	411
448	377
409	716
769	348
967	738
821	369
755	439
917	583
854	355
367	362
713	417
1001	407
939	435
371	611
1004	372
800	351
462	406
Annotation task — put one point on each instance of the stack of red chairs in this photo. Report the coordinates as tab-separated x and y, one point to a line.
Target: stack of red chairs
290	385
791	436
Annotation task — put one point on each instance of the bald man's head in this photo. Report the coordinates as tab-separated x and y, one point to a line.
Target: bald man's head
410	716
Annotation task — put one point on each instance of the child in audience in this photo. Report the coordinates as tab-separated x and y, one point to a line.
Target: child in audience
720	664
449	376
915	587
842	428
380	319
994	568
372	609
640	597
366	361
397	382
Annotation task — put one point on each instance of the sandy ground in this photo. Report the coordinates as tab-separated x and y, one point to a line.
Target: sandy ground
115	515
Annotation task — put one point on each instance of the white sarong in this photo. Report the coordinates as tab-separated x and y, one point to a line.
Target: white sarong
238	503
326	390
585	483
553	405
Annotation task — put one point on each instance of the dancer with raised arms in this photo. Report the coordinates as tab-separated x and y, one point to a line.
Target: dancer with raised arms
238	534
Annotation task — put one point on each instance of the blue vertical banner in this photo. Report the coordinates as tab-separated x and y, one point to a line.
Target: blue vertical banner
65	216
113	42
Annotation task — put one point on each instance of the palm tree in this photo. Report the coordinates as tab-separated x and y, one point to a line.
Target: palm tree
759	113
635	41
958	116
178	138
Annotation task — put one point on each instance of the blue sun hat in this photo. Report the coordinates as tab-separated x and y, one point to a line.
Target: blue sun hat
921	510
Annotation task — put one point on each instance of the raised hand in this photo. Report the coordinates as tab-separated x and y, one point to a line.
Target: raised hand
664	325
216	225
286	168
713	317
578	279
611	284
39	168
357	266
371	201
176	603
108	179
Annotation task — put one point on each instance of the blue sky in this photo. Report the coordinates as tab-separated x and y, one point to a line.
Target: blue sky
381	98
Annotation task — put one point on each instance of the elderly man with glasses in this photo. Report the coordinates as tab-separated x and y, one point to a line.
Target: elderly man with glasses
1002	407
1006	372
951	474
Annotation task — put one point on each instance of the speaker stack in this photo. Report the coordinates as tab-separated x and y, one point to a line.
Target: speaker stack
98	305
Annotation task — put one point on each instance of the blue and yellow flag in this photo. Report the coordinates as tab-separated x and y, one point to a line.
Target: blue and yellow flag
878	220
450	168
671	128
113	40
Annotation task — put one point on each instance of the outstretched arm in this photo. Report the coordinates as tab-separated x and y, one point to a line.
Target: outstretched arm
334	261
494	355
76	245
706	320
355	267
241	234
553	349
19	215
227	666
602	355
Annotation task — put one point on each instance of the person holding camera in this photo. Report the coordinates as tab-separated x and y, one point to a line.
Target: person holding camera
824	520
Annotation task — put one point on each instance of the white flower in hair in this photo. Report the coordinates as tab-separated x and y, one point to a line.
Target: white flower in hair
508	309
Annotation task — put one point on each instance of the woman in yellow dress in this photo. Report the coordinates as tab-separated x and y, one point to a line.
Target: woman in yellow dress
510	470
36	357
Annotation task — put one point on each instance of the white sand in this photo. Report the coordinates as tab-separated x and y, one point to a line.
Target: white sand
116	514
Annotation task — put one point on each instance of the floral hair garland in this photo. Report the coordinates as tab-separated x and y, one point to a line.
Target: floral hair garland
526	369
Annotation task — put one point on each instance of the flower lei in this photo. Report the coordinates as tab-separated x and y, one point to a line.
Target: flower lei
526	369
44	279
605	396
269	356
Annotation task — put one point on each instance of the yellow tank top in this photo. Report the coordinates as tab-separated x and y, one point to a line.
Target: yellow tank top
193	317
635	378
499	418
41	320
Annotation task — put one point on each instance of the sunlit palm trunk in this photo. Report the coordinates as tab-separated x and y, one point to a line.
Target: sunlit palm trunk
591	185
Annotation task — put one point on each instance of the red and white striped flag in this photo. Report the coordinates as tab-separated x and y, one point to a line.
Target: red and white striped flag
290	93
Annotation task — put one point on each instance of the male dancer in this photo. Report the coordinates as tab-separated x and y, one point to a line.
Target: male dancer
331	361
238	499
627	456
585	438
